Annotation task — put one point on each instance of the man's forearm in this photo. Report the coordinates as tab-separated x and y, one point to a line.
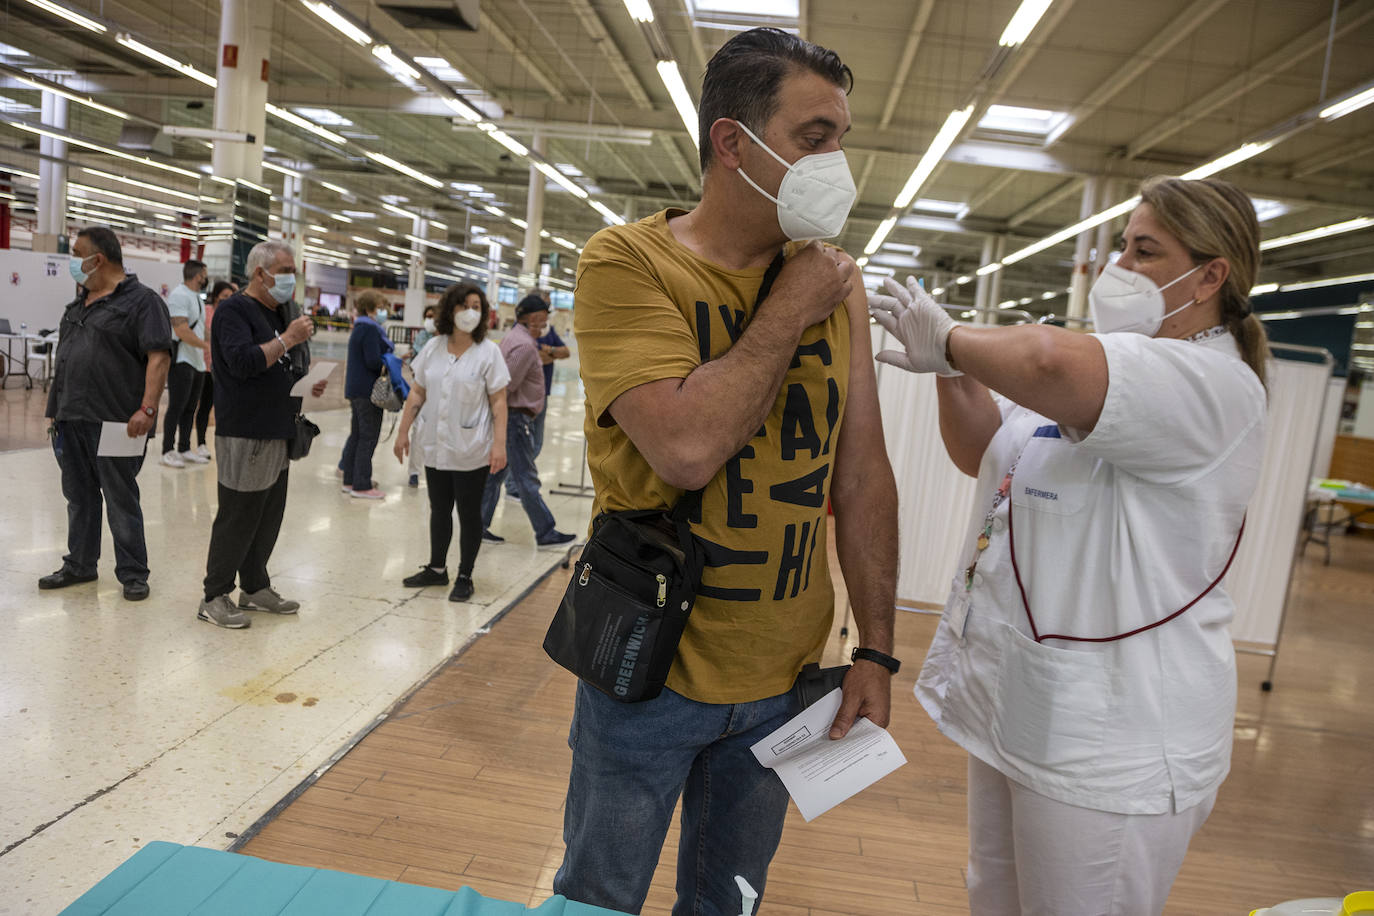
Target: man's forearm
155	377
866	542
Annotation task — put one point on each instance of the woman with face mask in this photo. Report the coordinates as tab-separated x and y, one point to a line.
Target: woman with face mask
366	345
460	380
1084	657
426	332
222	290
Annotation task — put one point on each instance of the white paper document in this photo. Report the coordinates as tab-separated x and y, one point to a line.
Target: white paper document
115	441
820	773
318	371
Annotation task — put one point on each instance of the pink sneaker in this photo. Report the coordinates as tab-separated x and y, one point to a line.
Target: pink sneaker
368	494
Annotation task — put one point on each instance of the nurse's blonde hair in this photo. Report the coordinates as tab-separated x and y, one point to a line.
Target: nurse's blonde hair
1215	219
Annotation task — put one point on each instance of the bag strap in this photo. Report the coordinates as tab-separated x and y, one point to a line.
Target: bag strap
689	504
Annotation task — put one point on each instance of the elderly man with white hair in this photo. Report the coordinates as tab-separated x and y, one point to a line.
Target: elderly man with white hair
258	337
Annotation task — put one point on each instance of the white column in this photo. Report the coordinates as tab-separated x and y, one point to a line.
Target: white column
1104	231
415	285
999	248
52	177
493	273
980	288
534	218
1078	291
245	41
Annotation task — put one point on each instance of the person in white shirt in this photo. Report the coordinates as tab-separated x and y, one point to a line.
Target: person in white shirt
188	369
1084	657
462	377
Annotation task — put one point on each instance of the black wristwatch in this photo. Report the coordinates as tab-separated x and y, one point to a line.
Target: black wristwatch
873	655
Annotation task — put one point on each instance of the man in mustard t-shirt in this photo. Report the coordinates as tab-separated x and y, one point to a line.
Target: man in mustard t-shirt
768	402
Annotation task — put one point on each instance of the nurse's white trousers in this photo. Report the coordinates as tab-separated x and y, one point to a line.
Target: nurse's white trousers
1033	856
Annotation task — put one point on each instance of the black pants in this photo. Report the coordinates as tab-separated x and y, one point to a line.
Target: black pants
448	489
183	397
87	481
242	538
207	402
361	443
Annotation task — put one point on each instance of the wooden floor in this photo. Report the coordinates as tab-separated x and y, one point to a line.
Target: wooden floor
465	784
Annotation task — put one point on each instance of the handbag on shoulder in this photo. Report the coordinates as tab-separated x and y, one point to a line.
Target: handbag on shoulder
384	394
625	608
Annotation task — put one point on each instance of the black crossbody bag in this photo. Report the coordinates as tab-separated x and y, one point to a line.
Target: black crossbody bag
631	592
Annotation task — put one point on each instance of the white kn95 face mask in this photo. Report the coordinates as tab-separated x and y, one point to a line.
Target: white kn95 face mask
1123	300
815	196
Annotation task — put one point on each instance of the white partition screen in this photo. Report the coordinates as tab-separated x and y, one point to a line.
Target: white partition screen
934	497
1258	580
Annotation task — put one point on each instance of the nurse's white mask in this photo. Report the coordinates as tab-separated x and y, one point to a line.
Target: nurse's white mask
1123	300
815	196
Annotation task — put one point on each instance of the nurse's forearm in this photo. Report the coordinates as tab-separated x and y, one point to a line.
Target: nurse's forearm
969	418
1057	373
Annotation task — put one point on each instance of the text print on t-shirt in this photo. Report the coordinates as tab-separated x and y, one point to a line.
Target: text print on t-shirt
787	463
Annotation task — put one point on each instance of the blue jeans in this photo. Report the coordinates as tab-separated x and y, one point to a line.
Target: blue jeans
519	465
537	430
630	763
362	442
87	481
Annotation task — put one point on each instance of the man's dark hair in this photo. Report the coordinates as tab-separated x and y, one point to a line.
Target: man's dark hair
103	240
743	78
191	269
452	300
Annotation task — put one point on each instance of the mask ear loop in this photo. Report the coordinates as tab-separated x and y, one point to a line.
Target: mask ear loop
753	184
1193	301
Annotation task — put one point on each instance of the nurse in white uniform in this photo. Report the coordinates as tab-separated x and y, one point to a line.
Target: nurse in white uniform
1084	658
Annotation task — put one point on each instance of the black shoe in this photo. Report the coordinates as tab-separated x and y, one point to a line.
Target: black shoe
554	538
494	538
425	576
135	591
64	577
462	589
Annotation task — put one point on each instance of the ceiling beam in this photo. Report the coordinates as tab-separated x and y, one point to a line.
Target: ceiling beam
1045	201
913	41
612	52
1353	15
991	190
1331	157
503	35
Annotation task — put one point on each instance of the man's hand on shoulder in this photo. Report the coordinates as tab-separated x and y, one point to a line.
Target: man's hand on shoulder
812	283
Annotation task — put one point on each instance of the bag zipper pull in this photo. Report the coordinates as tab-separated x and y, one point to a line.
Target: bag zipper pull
662	589
586	574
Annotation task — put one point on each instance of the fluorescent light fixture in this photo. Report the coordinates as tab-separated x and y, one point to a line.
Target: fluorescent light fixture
682	100
559	240
1048	294
441	69
397	211
168	61
1036	122
639	10
1266	209
1222	163
404	169
880	235
254	185
862	262
385	231
340	217
330	14
509	142
70	15
390	58
989	269
606	212
147	186
1263	288
462	109
1333	281
1023	22
562	180
316	227
442	227
944	139
937	206
1069	232
326	116
281	169
465	186
294	119
337	189
362	241
47	86
74	141
1322	232
495	212
520	222
360	214
1335	110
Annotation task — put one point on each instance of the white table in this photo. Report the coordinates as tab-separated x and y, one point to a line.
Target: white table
23	341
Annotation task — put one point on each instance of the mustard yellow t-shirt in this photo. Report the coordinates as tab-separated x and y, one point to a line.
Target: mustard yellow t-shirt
648	308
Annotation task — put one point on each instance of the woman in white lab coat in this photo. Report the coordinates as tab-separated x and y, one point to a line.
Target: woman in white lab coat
1084	658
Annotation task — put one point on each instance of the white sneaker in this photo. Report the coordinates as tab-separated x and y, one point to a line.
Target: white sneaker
368	494
203	451
194	458
173	460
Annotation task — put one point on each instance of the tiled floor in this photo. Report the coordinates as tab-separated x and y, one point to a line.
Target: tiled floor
122	723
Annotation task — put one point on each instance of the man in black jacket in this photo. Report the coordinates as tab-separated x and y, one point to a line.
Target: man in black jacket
253	348
112	358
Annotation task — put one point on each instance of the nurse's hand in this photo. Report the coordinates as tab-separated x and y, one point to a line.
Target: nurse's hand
402	447
922	326
867	692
